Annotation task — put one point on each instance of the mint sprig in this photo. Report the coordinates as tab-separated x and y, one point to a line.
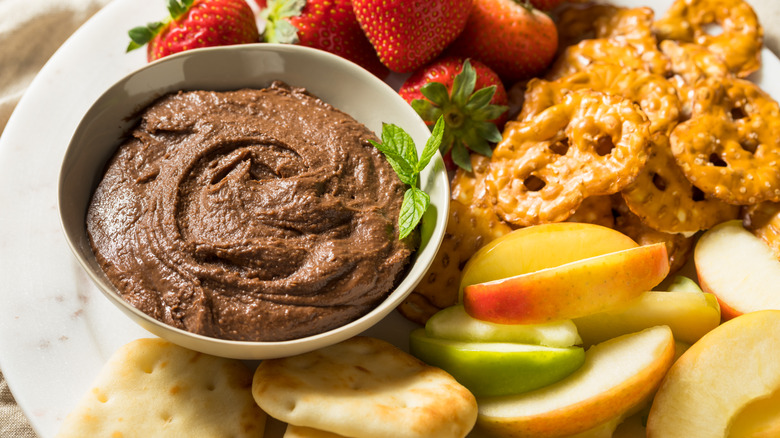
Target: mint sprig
400	151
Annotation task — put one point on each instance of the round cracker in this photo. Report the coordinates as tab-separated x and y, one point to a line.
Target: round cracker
151	387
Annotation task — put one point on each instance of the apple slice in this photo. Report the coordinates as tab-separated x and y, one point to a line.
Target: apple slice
739	268
681	283
539	247
454	323
571	290
492	368
759	419
689	315
724	374
617	377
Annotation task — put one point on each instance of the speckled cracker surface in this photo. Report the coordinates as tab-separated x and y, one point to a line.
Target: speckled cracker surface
151	387
364	387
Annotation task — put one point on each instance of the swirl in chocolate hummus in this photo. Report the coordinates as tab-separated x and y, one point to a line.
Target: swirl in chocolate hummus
256	215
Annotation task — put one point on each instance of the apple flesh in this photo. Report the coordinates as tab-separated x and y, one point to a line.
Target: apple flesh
618	376
454	323
689	315
538	247
759	419
738	268
725	374
493	368
571	290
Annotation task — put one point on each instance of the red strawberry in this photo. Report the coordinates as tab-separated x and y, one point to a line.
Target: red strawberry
196	23
328	25
510	36
471	99
408	34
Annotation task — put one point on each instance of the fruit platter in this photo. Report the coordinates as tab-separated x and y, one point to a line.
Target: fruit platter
611	253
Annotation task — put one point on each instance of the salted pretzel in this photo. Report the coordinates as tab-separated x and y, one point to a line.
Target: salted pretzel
730	147
663	198
689	63
472	223
679	247
594	210
589	144
654	94
763	220
609	51
693	62
739	44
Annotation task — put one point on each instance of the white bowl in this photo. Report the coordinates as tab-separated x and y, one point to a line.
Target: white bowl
335	80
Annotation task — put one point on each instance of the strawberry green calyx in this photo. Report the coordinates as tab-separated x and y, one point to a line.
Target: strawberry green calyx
277	28
141	35
468	115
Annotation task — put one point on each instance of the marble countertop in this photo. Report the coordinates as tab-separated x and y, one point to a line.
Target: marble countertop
31	31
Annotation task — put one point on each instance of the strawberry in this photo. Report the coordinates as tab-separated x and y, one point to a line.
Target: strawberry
408	34
196	23
328	25
471	99
510	36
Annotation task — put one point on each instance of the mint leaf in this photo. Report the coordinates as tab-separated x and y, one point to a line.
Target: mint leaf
400	151
414	205
432	145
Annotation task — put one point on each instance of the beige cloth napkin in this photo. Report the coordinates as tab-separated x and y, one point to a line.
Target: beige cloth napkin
32	30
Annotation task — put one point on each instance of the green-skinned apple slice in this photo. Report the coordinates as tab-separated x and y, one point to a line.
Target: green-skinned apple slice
495	368
618	376
454	323
689	315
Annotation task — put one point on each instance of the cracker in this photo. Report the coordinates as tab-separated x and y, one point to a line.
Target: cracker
364	387
151	387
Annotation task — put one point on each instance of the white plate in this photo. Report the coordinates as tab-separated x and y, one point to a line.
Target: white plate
56	329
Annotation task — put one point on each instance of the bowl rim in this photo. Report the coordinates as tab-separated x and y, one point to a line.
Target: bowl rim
436	174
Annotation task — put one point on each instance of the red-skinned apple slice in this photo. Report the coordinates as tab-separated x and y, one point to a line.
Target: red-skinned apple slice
618	376
738	268
539	247
571	290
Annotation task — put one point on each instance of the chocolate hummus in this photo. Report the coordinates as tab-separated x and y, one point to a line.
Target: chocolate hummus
257	215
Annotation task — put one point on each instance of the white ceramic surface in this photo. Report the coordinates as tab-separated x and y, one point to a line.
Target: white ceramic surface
336	81
56	328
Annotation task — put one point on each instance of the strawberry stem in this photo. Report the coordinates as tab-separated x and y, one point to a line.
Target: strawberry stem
278	28
141	35
467	115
